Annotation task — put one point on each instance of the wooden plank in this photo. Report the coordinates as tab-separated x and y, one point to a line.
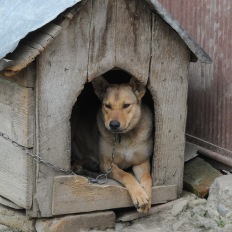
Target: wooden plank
96	221
39	40
22	56
25	78
16	112
15	175
102	38
74	194
51	29
6	202
133	38
168	85
5	63
62	74
199	176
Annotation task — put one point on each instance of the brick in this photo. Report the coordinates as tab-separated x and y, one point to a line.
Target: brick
73	223
199	176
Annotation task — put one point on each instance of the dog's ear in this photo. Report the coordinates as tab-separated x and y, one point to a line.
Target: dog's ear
100	84
138	88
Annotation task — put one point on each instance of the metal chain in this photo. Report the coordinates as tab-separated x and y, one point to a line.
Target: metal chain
100	179
37	158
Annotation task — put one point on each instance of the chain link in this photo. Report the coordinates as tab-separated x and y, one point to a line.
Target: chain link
100	179
36	158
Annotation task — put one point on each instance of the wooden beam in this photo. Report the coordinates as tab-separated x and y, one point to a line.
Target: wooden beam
74	194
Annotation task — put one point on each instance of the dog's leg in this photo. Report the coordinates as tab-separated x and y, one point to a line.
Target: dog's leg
137	193
142	173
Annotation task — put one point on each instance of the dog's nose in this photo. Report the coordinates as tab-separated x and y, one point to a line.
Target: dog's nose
114	125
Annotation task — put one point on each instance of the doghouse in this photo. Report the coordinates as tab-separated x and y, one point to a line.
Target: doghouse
41	83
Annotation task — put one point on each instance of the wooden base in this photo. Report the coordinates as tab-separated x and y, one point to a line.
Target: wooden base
74	194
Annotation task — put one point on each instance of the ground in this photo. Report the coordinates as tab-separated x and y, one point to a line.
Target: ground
188	213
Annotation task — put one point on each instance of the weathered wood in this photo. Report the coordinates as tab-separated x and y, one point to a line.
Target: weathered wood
199	176
74	194
24	78
22	56
99	221
102	38
114	43
51	29
15	175
62	74
6	202
63	69
43	36
168	85
39	40
133	38
16	112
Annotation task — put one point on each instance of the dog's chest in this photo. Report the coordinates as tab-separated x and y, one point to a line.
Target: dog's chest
129	155
126	153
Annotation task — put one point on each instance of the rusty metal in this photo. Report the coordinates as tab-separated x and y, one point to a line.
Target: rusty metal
209	122
215	156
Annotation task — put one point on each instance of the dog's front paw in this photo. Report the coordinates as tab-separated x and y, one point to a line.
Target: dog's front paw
146	208
140	200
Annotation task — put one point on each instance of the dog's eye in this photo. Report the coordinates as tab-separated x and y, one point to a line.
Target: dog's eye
108	106
126	106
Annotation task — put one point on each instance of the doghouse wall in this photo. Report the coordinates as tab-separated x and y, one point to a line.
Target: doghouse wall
17	122
106	34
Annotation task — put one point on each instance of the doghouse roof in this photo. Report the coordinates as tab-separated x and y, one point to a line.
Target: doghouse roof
18	49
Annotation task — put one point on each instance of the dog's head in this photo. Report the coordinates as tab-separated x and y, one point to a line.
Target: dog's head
121	104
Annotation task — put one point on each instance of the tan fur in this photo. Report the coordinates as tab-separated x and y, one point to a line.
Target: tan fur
122	105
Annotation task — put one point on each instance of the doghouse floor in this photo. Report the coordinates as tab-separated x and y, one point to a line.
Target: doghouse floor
74	194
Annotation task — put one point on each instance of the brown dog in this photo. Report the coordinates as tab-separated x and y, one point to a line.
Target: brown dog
123	113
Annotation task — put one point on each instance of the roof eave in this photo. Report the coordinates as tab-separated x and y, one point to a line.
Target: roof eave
195	48
32	45
35	42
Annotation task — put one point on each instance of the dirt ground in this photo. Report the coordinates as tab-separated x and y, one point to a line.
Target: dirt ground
188	213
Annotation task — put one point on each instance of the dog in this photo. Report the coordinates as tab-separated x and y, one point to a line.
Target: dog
122	113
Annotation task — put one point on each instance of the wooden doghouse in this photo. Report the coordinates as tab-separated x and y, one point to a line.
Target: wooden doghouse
37	97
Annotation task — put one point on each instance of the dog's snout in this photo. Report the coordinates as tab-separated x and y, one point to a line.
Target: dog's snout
114	125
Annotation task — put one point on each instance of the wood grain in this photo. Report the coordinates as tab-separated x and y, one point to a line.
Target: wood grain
15	175
74	194
6	202
133	38
102	38
62	74
141	44
16	112
168	84
24	78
